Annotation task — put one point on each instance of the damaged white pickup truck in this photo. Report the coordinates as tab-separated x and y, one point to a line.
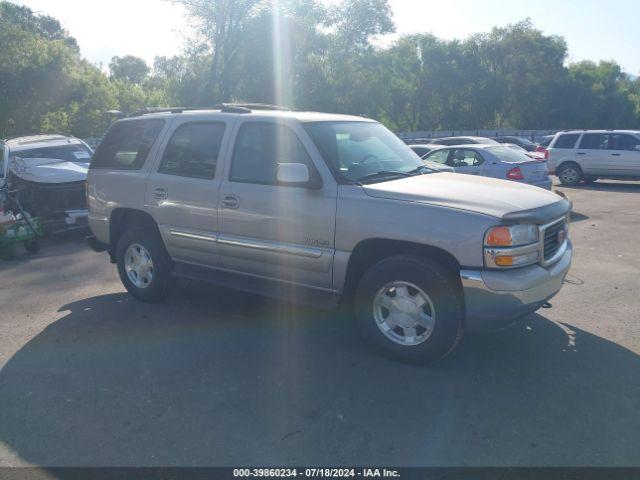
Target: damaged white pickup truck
48	173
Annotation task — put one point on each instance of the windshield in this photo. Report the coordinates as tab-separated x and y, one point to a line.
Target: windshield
364	151
68	153
508	154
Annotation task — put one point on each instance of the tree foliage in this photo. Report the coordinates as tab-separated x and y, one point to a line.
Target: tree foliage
307	54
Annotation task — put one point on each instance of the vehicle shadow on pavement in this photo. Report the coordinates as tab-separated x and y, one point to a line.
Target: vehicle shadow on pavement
603	186
216	377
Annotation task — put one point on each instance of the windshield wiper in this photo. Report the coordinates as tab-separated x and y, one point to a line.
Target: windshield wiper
421	170
384	173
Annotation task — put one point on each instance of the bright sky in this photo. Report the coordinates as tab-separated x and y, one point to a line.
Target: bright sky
594	29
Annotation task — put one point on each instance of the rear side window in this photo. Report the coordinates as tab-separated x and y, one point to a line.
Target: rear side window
260	148
623	142
127	144
193	150
567	140
594	141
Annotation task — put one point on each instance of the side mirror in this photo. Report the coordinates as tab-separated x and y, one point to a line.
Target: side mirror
637	147
294	175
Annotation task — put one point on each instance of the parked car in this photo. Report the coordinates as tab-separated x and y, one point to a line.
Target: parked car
497	161
585	156
463	141
49	172
325	209
525	143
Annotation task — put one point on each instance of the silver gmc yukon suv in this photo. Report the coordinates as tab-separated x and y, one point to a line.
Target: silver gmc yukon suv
327	209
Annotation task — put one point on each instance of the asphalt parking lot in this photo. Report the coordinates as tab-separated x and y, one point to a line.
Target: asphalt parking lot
90	377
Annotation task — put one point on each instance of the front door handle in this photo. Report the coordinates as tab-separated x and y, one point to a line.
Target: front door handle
230	201
580	153
160	193
615	154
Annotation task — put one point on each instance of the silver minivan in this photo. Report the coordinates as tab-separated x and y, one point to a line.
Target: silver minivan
587	155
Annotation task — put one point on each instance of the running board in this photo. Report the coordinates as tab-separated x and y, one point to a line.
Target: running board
288	292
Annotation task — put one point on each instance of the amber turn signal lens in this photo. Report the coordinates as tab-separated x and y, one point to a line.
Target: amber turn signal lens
504	261
499	237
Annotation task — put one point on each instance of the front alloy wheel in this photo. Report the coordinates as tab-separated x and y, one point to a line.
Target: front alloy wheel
404	313
139	265
410	307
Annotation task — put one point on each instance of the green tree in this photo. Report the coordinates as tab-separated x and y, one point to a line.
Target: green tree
129	69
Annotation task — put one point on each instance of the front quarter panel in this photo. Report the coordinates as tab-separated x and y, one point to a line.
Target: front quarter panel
361	217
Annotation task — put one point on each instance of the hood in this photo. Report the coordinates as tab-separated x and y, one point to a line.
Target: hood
484	195
49	170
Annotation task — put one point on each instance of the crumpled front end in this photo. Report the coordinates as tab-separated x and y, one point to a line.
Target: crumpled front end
59	206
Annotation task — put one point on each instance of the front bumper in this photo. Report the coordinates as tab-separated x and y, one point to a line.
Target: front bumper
495	299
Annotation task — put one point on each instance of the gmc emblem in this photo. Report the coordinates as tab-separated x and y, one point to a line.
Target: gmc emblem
562	235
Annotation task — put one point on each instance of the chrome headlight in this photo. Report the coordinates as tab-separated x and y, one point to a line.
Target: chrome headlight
513	246
514	236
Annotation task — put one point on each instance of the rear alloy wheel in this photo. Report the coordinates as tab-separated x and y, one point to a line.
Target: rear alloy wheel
144	265
411	308
570	174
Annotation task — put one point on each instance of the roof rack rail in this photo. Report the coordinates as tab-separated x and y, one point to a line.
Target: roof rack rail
259	106
224	107
148	111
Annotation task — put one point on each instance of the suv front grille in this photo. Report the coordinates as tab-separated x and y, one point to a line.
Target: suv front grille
553	240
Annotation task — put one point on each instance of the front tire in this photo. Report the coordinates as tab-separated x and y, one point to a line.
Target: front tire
570	174
144	265
411	308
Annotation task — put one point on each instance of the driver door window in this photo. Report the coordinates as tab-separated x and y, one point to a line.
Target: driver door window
465	158
441	156
466	161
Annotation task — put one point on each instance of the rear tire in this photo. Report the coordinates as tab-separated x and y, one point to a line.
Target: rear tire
570	174
427	283
144	265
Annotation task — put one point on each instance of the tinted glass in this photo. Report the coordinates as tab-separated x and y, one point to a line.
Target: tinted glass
193	150
594	141
1	161
567	140
260	148
623	142
127	144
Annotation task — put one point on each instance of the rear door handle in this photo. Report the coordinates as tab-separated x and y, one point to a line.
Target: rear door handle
580	153
160	193
230	201
615	154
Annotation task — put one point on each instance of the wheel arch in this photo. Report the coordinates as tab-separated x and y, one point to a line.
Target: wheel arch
371	251
121	218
